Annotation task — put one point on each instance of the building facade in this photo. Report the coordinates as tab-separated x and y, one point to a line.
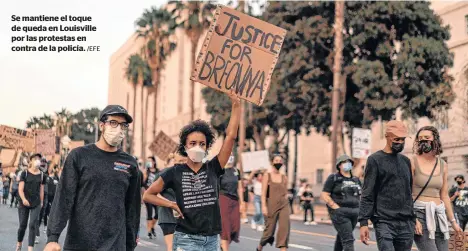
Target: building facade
314	151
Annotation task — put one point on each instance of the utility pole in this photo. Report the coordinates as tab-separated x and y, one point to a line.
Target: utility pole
339	20
242	127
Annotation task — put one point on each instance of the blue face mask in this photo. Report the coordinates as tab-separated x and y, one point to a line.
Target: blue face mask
347	167
149	164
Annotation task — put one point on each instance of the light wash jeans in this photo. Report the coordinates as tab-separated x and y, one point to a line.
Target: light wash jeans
258	217
192	242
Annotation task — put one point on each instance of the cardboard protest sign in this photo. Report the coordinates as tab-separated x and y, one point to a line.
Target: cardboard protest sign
13	138
75	144
258	160
239	55
457	242
45	141
163	145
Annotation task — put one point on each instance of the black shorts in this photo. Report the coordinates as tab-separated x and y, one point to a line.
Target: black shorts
151	211
167	228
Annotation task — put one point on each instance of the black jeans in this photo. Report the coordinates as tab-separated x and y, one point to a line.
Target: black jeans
461	220
344	220
14	197
394	235
308	207
33	214
50	199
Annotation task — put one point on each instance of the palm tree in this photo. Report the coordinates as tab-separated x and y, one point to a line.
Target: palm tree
157	27
194	17
137	73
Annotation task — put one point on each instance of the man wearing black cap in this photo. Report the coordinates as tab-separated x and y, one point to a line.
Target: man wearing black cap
387	194
98	193
459	197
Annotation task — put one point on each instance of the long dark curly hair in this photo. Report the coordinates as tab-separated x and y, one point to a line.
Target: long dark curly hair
195	126
437	145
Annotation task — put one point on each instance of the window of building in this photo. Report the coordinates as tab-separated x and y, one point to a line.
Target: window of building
466	24
442	120
319	176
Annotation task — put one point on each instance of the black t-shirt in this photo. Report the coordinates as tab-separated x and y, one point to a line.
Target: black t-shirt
196	195
307	195
52	182
32	187
229	183
460	203
343	190
152	177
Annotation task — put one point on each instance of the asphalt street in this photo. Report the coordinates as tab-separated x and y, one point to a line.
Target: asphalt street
315	238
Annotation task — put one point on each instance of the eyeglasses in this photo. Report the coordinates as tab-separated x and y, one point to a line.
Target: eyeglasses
114	124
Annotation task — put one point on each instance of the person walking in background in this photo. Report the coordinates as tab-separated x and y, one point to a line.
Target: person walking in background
387	194
6	189
99	192
230	193
430	192
151	174
459	197
245	205
307	198
14	185
31	192
196	184
167	221
341	193
256	178
51	183
291	196
275	207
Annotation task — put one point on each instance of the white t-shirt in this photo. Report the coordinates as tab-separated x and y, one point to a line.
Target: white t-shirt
257	187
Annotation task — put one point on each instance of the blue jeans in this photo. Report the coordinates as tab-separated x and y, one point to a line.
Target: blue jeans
258	217
191	242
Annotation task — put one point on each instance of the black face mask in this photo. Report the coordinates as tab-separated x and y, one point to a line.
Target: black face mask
277	166
459	182
425	146
397	147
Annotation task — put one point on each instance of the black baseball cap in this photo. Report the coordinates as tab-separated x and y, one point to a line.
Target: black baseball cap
459	177
116	110
35	155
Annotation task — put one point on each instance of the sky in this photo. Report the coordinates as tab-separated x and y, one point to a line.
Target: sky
34	83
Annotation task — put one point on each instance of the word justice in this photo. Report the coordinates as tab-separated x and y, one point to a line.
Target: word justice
250	34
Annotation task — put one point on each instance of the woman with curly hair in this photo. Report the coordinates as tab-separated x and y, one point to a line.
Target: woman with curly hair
195	184
432	204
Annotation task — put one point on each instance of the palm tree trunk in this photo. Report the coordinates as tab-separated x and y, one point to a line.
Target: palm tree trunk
192	86
155	118
143	119
132	144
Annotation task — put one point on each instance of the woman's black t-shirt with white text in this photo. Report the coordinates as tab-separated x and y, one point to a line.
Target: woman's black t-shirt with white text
196	195
32	187
344	191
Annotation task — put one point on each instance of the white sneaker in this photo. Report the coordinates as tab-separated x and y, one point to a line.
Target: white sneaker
245	221
37	240
306	223
313	223
253	225
260	228
45	230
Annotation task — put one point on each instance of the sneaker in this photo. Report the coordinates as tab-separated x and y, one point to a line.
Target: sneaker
260	228
245	221
150	236
313	223
306	223
253	225
37	240
153	232
45	230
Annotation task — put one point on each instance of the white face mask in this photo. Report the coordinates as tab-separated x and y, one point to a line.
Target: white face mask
113	136
196	154
37	163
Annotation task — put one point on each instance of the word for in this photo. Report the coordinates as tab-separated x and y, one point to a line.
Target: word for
43	18
250	34
54	28
244	74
